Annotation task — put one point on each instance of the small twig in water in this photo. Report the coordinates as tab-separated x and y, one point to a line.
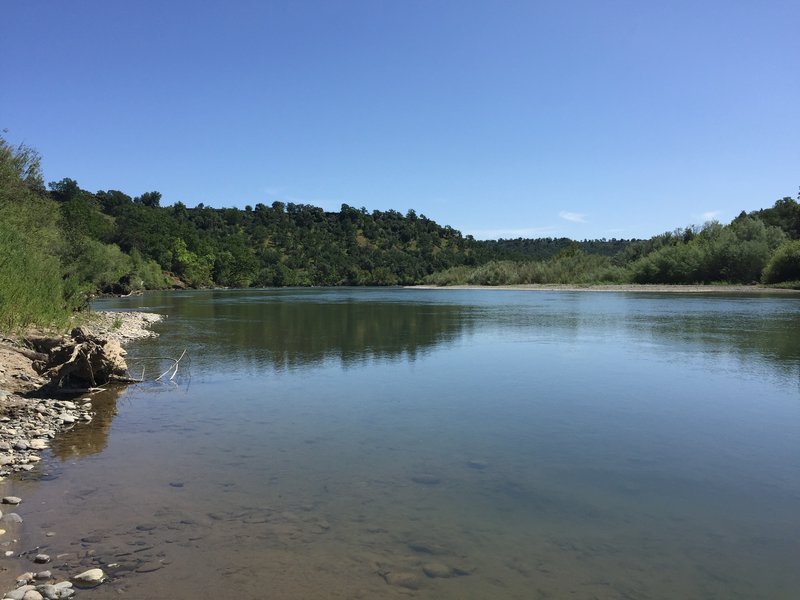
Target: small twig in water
175	367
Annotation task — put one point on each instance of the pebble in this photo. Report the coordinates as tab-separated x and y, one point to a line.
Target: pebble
66	417
92	576
32	595
41	558
19	593
43	575
11	500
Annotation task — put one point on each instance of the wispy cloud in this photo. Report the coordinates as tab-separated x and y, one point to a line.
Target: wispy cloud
572	216
710	215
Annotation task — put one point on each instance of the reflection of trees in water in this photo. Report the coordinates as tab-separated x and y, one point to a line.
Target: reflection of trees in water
287	328
771	339
85	439
288	334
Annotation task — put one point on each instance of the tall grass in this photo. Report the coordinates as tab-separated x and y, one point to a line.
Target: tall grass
31	285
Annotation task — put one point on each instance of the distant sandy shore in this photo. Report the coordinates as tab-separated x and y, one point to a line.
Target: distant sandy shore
637	288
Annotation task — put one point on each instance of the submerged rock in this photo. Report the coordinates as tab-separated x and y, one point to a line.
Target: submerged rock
437	570
11	518
403	579
427	548
426	479
149	567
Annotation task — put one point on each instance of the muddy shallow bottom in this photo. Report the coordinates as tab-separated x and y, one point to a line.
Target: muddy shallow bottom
614	449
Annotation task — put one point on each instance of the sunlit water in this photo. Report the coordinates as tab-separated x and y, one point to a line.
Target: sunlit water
353	443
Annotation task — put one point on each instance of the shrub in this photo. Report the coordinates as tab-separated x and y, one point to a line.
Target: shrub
784	264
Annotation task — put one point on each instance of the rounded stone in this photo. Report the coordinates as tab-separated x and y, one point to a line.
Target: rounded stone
90	577
19	593
41	558
50	592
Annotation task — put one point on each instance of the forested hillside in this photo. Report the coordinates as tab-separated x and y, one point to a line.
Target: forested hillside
277	245
58	246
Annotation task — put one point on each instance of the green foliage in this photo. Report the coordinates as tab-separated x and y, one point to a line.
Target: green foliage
784	214
784	266
31	288
570	266
78	243
194	270
736	253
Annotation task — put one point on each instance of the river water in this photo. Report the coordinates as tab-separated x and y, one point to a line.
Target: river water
448	444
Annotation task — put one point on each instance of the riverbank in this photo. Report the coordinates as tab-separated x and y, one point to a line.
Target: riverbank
28	425
632	288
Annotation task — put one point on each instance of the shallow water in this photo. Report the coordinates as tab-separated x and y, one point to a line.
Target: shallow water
341	443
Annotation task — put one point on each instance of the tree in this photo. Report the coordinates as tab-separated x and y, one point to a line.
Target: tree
149	199
64	190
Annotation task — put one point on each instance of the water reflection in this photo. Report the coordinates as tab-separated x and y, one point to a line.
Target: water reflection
285	329
86	439
288	330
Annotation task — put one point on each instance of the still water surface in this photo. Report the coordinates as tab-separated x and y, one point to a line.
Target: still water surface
352	443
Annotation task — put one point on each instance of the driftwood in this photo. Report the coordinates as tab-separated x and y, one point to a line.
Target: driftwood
173	368
81	361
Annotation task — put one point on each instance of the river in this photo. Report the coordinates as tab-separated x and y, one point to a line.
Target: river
448	444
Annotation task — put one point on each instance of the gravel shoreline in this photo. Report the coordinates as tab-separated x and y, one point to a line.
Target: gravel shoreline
27	426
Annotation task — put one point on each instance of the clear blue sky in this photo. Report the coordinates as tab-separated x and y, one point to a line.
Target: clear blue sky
500	118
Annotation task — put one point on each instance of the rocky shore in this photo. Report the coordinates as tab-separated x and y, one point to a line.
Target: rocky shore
28	423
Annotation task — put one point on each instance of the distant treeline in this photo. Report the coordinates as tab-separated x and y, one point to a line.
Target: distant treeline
525	249
59	244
